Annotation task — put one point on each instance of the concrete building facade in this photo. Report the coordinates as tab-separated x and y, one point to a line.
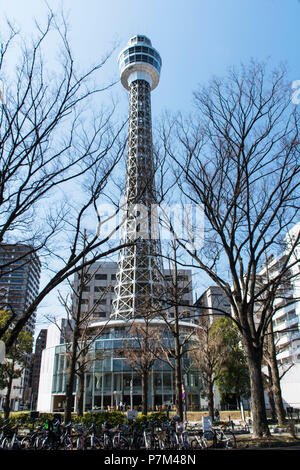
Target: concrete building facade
286	320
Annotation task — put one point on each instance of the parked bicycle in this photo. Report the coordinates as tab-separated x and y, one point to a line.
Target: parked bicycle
221	437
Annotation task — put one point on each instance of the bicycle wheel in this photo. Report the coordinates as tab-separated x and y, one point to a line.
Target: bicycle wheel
92	442
46	444
136	443
175	442
5	443
68	443
15	444
107	442
210	438
80	443
195	444
27	443
37	443
161	444
230	439
204	443
147	441
120	442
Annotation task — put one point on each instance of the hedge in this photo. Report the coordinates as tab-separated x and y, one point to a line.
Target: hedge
112	418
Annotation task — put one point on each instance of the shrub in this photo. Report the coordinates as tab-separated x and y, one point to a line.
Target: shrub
112	418
159	416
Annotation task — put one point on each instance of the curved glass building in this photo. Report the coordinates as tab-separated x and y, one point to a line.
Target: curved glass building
110	381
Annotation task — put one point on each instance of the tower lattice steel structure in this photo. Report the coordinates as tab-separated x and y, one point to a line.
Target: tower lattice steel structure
138	278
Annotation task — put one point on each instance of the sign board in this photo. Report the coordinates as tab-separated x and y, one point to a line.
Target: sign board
2	352
132	414
206	423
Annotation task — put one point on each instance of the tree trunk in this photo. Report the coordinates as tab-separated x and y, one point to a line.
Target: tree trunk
259	415
270	394
145	393
6	407
272	404
177	351
178	389
276	389
69	397
71	379
178	378
81	393
210	399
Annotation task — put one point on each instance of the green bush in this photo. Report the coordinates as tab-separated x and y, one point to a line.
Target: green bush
159	416
112	418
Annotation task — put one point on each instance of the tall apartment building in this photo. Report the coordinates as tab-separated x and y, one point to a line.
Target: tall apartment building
286	321
20	270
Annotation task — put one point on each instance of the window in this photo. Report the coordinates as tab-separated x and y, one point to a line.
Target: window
99	289
113	277
99	314
101	277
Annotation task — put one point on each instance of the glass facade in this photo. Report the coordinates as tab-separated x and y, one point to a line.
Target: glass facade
140	54
109	379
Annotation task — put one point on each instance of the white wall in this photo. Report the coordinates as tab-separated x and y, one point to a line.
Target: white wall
44	401
290	387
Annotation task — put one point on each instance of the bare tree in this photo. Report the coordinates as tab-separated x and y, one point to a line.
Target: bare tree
57	156
140	351
209	353
176	342
239	159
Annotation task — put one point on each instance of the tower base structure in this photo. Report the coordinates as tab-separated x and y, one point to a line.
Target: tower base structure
112	384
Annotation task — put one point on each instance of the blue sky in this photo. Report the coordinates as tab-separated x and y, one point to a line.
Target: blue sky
197	39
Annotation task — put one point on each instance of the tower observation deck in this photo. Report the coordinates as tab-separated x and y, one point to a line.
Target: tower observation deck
138	277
